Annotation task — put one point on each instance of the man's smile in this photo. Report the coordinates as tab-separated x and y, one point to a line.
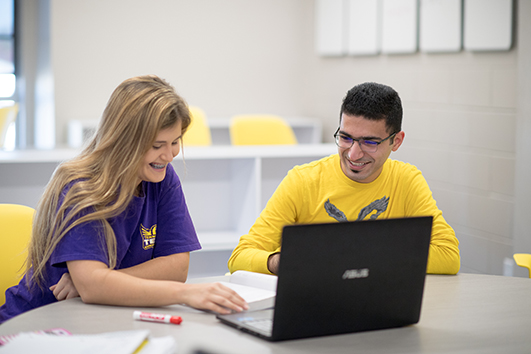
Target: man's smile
357	165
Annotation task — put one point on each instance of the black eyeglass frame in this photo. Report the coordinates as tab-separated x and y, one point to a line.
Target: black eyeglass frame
337	136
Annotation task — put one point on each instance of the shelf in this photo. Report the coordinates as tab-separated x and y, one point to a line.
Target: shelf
218	241
307	130
188	153
37	156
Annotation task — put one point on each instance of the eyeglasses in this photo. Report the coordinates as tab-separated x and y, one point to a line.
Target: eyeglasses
346	142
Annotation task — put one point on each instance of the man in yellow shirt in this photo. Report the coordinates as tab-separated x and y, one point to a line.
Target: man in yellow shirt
359	182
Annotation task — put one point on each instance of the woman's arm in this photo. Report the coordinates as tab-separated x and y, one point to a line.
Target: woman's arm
98	284
173	267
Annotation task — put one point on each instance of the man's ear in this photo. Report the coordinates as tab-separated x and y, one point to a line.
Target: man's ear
398	139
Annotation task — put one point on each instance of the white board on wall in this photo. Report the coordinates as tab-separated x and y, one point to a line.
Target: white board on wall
364	24
440	28
329	19
399	26
488	24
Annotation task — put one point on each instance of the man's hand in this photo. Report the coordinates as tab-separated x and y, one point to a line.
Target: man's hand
65	288
272	263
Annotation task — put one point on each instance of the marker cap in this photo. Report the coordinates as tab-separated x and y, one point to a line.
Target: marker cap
176	319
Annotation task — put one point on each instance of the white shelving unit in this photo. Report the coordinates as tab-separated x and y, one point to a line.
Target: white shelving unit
307	130
226	187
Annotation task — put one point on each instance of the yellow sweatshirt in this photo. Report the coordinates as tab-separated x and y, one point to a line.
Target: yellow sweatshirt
320	192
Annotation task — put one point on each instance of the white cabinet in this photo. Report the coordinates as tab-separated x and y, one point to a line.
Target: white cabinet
225	187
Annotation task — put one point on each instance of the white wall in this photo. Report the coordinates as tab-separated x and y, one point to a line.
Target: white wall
228	56
236	56
460	124
522	208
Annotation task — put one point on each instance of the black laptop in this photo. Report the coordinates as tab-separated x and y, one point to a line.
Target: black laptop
344	277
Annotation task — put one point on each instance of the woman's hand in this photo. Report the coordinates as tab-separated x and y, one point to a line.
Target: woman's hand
65	288
214	297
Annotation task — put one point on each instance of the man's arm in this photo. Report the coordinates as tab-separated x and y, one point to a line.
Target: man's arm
444	247
273	262
264	238
252	253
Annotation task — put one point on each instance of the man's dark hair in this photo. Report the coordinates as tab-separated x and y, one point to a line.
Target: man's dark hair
375	102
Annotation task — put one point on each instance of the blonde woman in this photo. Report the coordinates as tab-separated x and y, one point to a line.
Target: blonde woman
113	226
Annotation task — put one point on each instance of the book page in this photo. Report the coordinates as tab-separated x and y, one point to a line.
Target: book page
249	293
252	286
256	280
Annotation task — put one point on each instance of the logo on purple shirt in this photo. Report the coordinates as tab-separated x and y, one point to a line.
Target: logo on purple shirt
148	236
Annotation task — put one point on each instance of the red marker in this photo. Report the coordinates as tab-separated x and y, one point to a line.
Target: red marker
155	317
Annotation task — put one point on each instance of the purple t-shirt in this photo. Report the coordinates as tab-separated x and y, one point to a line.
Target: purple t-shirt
153	225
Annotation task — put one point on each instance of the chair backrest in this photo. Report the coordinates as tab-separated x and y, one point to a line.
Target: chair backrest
523	260
7	116
261	129
15	232
198	133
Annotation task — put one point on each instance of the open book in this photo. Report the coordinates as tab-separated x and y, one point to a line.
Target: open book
259	290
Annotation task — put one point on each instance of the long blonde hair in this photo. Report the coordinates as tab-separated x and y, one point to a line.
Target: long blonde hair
106	171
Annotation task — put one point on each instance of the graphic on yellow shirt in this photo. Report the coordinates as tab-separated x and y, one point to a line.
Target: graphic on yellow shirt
334	212
148	236
379	205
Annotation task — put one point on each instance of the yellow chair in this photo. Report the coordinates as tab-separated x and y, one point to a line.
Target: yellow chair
7	116
198	133
261	130
15	232
523	260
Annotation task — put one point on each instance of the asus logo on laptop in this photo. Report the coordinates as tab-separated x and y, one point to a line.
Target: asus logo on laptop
356	273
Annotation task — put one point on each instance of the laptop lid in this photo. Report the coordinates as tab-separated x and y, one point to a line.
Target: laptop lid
352	276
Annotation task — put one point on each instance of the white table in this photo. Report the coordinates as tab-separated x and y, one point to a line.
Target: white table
466	313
